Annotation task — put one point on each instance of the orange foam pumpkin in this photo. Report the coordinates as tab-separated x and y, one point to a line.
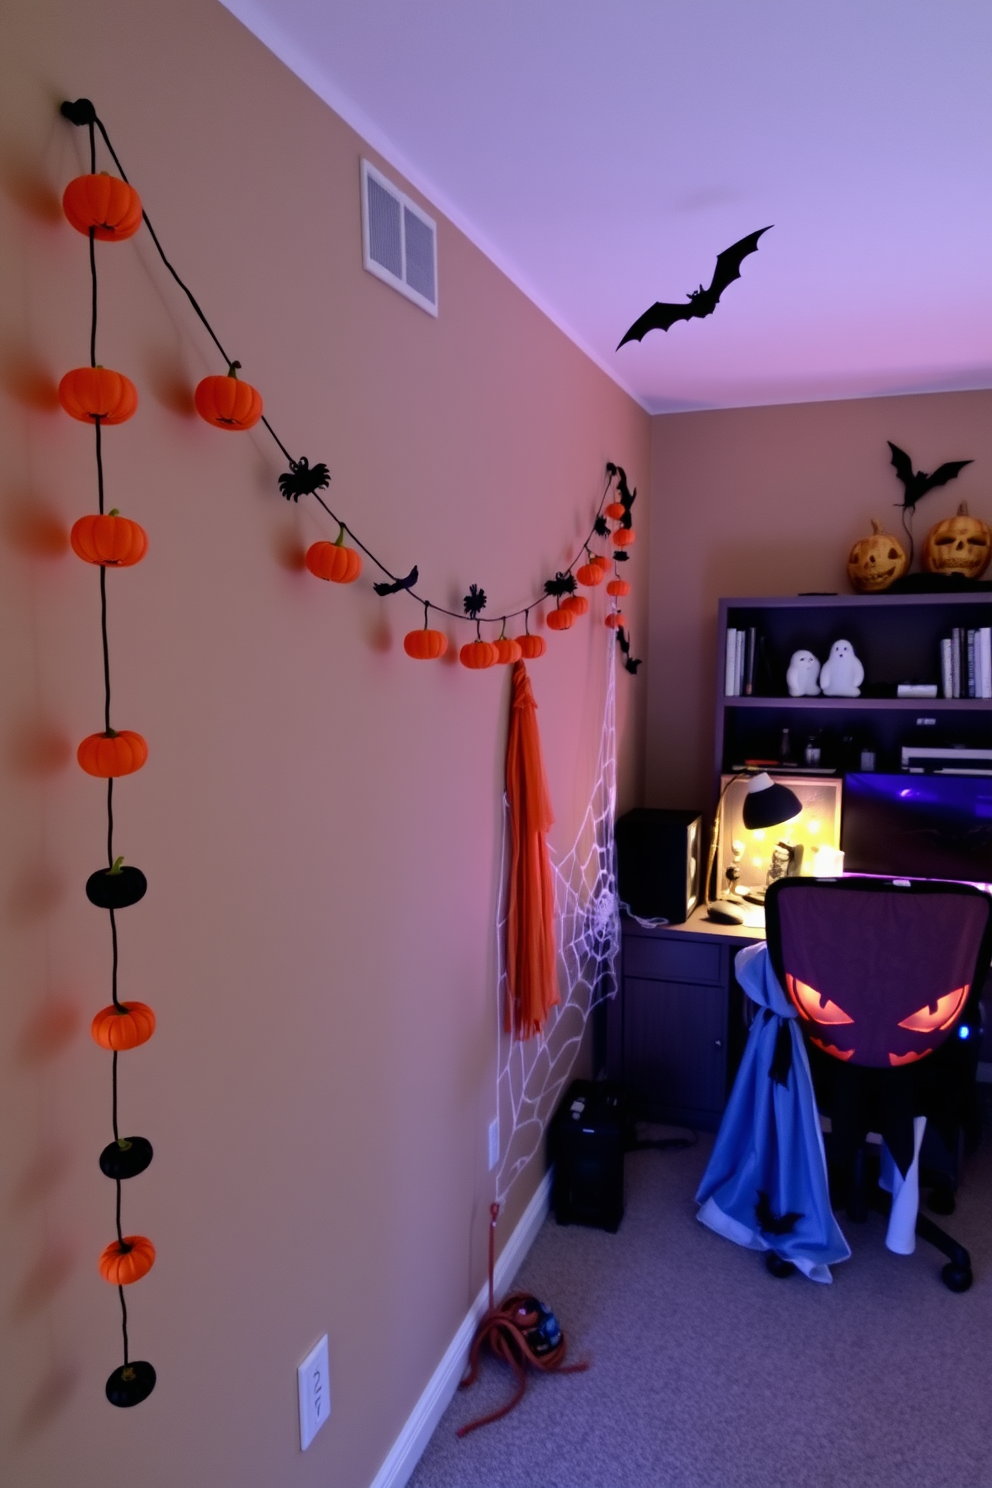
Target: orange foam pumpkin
333	561
577	603
614	621
112	754
507	651
104	203
623	537
560	620
424	644
227	403
531	647
618	588
112	541
127	1260
478	654
97	394
614	511
590	574
124	1027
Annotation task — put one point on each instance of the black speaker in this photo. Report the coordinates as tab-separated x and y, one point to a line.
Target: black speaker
658	863
587	1141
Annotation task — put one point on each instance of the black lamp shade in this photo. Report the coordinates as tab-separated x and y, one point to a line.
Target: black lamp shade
769	805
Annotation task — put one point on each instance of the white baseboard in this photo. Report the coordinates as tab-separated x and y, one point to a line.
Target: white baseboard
408	1447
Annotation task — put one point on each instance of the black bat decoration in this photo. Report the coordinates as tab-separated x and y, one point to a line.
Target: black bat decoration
621	556
399	584
626	495
662	316
917	483
601	527
623	641
299	480
771	1223
562	583
474	601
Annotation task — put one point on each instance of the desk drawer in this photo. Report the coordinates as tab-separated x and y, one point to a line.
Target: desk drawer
673	960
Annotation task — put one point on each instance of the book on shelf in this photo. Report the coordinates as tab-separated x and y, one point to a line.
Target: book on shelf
966	662
741	661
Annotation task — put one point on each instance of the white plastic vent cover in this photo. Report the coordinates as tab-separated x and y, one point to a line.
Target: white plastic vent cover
399	241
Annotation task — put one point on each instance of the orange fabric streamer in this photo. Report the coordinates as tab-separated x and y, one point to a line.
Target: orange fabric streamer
531	958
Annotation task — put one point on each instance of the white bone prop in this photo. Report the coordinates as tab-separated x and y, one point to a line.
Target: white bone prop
801	678
842	673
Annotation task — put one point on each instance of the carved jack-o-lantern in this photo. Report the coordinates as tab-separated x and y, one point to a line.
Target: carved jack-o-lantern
876	561
959	545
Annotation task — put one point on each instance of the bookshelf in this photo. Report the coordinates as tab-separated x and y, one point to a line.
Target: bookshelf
896	637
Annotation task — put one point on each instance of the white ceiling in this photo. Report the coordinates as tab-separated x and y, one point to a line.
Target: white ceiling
603	152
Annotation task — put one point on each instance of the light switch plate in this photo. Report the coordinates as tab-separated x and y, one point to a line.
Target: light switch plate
314	1381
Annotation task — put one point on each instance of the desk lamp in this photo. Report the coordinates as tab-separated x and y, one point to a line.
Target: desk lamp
767	804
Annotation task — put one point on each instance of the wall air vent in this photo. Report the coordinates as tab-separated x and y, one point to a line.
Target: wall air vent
399	241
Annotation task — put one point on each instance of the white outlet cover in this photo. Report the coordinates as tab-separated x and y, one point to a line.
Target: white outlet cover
314	1380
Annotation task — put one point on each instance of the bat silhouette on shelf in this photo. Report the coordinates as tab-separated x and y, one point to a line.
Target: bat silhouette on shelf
623	641
398	584
771	1223
662	316
300	480
917	483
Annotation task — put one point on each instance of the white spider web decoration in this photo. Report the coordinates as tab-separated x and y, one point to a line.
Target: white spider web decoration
532	1073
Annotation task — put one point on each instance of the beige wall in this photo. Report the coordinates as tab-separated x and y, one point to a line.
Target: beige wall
319	816
768	501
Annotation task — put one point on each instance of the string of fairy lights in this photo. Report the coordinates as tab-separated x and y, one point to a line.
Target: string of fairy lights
106	209
228	402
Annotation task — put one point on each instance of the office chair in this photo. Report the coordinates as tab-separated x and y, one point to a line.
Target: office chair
885	975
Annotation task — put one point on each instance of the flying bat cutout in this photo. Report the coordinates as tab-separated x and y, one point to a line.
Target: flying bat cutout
398	584
917	483
662	316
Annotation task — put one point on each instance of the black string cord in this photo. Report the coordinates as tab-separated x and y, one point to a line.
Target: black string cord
105	645
382	567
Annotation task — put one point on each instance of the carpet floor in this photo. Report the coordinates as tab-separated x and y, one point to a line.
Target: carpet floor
706	1372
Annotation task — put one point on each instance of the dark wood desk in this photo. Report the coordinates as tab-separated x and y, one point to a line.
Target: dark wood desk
677	1028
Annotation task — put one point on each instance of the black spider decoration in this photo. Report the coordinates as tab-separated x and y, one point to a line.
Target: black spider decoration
562	583
299	480
474	601
623	641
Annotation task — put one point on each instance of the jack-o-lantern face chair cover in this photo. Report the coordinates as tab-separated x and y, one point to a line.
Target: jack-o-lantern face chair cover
880	976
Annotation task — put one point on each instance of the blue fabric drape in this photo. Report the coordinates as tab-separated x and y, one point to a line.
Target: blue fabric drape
768	1165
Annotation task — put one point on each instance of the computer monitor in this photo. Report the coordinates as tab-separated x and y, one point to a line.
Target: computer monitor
918	826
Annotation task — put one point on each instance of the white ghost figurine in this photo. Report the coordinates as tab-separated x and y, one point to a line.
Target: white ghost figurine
842	673
801	678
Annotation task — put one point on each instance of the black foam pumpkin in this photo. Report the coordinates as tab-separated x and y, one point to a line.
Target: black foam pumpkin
116	887
126	1158
131	1383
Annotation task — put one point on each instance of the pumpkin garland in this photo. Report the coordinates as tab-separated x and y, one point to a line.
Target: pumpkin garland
106	209
227	402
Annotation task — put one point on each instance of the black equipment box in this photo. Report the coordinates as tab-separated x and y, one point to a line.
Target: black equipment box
658	856
587	1145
